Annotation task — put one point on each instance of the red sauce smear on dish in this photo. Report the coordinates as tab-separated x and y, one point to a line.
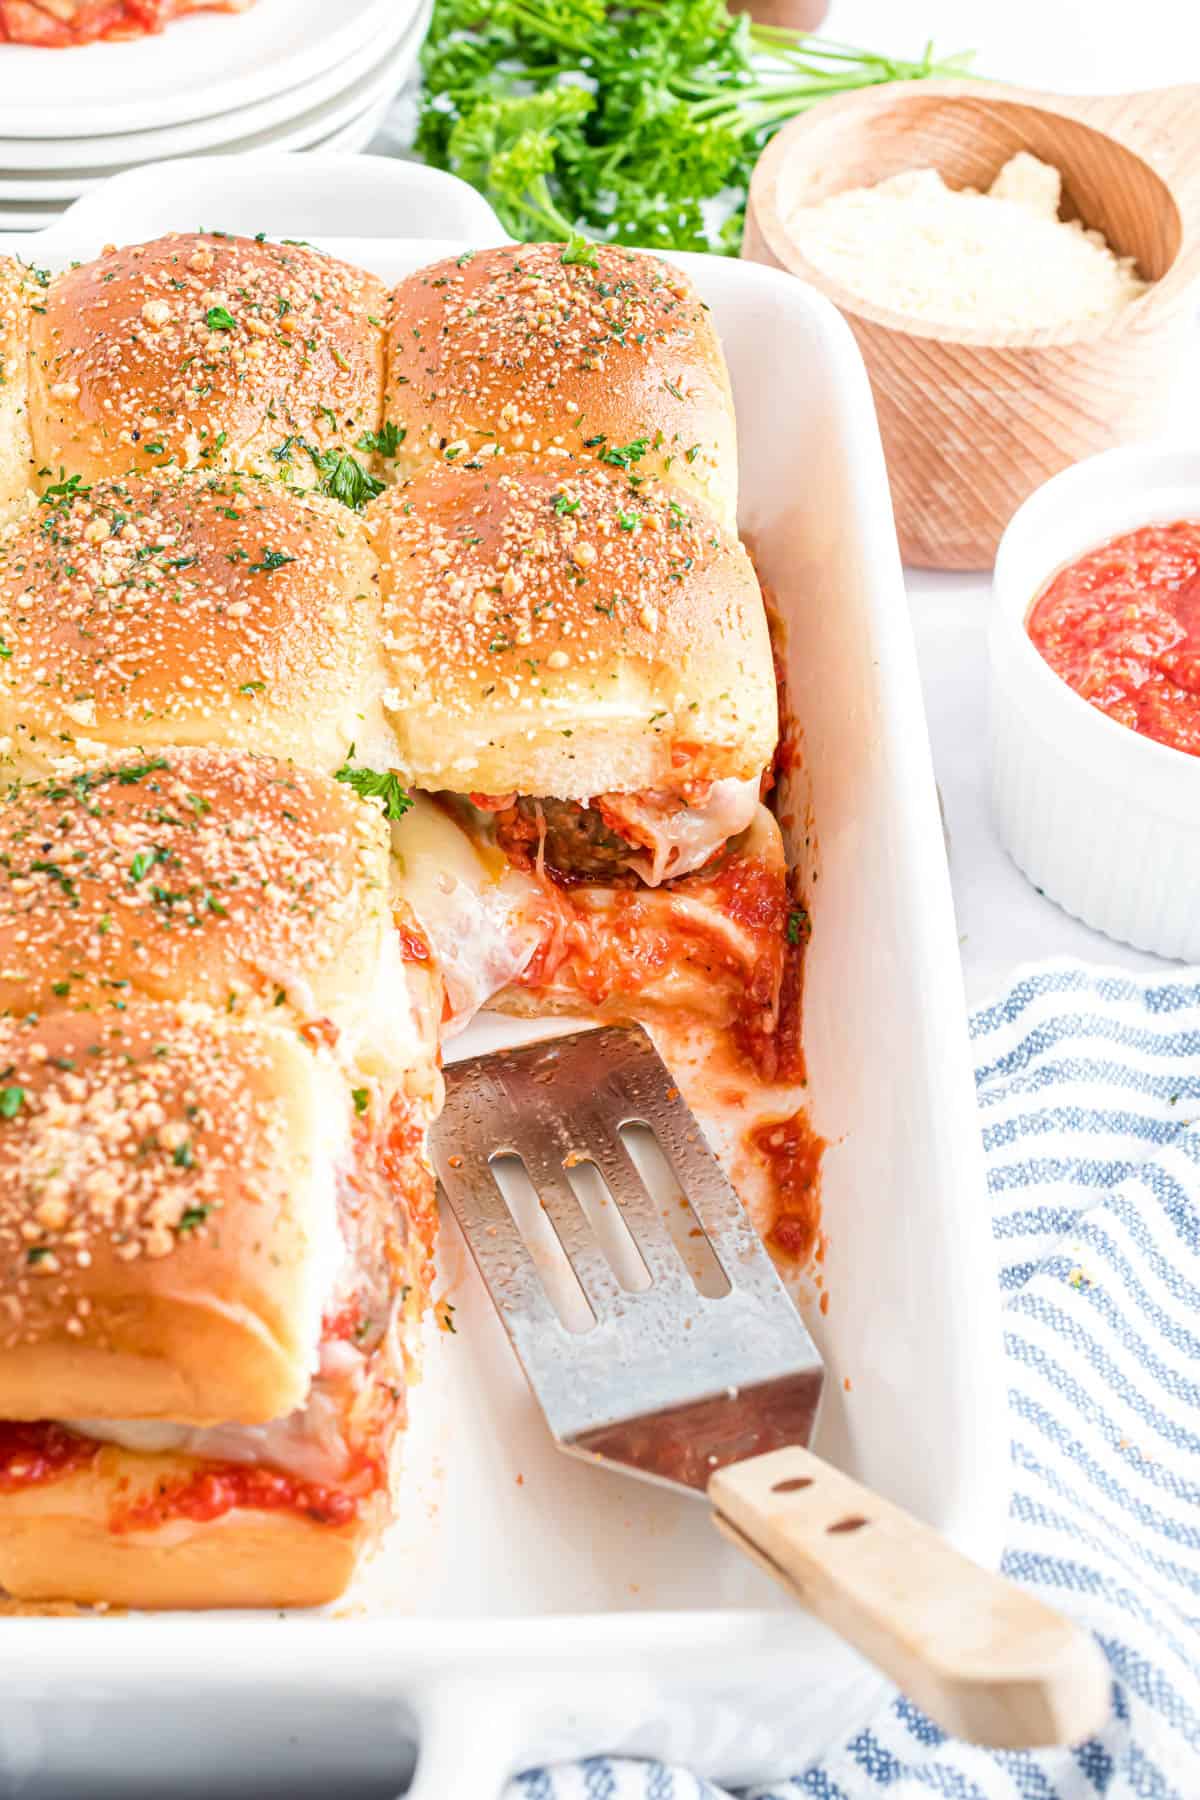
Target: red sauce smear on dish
36	1451
214	1489
1121	625
792	1152
70	22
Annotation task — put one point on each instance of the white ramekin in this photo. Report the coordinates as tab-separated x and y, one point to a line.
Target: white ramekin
1102	820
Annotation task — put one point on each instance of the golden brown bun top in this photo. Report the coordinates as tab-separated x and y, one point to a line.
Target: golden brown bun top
201	609
190	874
565	629
201	350
611	358
165	1205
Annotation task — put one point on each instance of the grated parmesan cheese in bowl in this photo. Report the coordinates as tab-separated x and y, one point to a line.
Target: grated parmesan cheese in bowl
1001	261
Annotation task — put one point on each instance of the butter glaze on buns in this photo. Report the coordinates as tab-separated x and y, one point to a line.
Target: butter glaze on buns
551	628
225	878
204	351
16	445
167	1219
515	349
196	609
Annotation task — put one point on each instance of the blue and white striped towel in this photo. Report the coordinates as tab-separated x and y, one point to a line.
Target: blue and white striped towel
1089	1096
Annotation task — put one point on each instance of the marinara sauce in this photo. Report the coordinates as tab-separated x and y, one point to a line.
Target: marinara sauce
792	1152
1121	625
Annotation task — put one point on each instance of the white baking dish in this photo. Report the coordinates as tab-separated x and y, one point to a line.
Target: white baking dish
526	1606
1102	820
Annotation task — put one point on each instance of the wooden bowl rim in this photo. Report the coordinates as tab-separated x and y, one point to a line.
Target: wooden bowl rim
1162	300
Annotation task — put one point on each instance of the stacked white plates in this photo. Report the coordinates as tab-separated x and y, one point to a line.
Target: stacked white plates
287	75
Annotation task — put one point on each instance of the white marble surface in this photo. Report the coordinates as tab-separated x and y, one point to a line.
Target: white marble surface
1068	45
1002	920
1074	46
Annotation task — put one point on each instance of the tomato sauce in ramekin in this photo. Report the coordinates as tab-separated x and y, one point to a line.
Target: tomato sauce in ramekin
1121	625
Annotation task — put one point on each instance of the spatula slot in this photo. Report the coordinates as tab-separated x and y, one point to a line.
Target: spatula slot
553	1265
604	1216
675	1209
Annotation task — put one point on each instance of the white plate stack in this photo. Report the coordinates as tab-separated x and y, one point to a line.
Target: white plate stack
286	75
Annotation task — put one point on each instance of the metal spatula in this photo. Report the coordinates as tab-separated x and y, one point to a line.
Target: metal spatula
684	1361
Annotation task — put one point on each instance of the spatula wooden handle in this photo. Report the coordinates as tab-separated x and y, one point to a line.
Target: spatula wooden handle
987	1661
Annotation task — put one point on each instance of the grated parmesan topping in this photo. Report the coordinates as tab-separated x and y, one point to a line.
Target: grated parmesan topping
224	876
513	349
189	350
130	1135
501	581
208	606
1001	261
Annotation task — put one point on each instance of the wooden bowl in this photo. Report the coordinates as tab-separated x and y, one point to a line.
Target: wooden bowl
972	423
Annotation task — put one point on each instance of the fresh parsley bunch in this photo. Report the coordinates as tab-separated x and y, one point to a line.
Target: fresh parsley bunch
638	122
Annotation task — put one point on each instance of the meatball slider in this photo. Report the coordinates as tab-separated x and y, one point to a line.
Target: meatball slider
189	1423
193	609
215	1217
586	657
205	351
607	357
581	675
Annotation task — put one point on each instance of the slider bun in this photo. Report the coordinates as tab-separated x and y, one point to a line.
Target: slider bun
513	347
551	628
128	373
167	1215
55	1544
198	874
16	446
194	609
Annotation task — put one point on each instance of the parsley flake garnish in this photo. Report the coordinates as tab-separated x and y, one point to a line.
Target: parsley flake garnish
271	560
621	455
342	477
144	861
798	926
370	784
579	249
385	442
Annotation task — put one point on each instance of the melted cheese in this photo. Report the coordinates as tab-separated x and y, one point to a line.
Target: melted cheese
681	838
308	1445
479	914
486	921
